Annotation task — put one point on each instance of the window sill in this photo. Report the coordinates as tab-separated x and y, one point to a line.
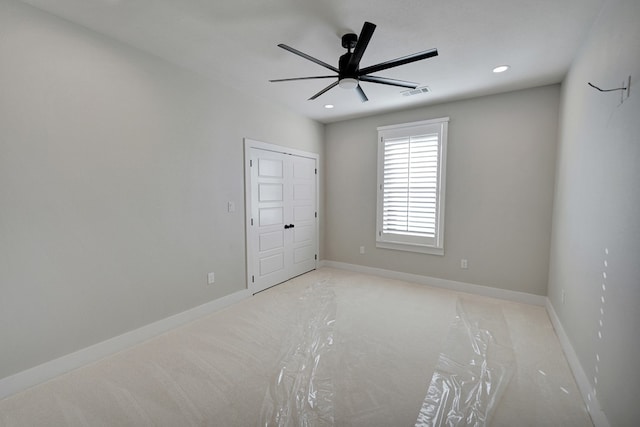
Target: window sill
411	248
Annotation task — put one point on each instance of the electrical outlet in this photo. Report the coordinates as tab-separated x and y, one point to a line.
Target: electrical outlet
211	278
231	207
562	297
361	249
464	264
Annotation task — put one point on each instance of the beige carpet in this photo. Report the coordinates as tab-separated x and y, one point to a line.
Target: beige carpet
327	348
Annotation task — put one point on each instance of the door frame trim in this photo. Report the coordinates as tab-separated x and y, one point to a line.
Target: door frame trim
248	145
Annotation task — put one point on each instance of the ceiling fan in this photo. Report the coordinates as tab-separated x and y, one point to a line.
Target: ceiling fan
349	73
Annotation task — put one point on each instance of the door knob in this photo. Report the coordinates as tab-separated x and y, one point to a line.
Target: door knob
286	227
291	225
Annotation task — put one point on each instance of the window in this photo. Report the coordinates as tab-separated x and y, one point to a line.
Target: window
411	186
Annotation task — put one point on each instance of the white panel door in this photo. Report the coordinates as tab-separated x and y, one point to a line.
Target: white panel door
282	231
303	215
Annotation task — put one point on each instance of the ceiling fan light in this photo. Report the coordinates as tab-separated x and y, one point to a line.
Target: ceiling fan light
348	83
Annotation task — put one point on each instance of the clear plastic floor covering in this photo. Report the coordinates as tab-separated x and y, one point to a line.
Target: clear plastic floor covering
469	379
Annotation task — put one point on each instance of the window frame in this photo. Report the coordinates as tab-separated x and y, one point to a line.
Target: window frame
399	241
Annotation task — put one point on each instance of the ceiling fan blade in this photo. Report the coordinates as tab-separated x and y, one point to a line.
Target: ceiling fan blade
363	41
387	81
310	58
363	97
303	78
399	61
331	86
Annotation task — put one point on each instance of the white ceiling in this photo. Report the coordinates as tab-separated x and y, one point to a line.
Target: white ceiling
236	41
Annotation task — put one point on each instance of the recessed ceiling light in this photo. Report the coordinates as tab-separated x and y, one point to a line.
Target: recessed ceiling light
328	106
501	69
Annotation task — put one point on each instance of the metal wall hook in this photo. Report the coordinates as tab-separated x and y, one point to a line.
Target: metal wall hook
625	88
605	90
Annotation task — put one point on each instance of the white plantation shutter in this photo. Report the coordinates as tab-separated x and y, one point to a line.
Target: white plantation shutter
411	186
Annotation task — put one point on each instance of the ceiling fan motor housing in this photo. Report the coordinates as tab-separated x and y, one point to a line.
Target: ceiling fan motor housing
342	66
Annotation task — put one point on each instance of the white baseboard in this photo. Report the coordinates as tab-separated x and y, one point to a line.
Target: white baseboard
586	389
470	288
48	370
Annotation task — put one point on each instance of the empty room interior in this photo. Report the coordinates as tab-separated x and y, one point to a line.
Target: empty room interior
319	213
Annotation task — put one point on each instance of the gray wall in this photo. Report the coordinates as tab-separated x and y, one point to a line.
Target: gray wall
115	172
597	207
500	172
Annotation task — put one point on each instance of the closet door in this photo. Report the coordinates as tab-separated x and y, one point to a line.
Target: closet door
282	232
302	206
